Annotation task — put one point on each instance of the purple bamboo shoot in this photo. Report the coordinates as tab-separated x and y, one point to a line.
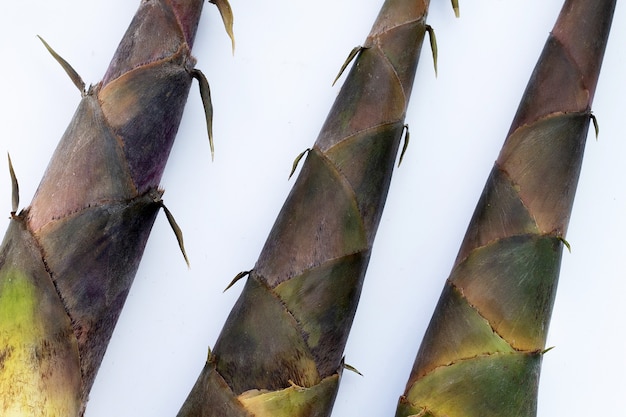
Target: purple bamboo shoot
68	260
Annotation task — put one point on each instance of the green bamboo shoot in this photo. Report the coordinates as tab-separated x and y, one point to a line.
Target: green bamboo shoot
482	352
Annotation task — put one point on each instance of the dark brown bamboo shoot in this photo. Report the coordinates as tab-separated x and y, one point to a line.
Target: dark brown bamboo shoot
68	260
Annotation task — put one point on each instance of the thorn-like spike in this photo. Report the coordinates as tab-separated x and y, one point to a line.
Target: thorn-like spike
353	53
177	231
433	45
15	188
205	95
405	145
351	368
297	161
455	6
237	278
566	243
596	126
547	350
76	79
227	17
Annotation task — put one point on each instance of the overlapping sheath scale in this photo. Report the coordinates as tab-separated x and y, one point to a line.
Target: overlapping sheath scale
280	350
68	260
481	354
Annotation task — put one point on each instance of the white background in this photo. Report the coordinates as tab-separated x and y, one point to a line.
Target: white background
270	100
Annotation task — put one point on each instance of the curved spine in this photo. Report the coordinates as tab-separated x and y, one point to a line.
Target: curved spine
280	350
68	260
482	352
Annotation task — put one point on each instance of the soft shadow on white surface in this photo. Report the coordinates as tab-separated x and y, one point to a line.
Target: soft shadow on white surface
270	100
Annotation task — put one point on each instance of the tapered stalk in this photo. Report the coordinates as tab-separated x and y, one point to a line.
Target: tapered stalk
482	352
68	260
280	350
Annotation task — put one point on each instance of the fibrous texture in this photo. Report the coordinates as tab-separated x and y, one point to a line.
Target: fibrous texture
68	260
280	351
482	352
